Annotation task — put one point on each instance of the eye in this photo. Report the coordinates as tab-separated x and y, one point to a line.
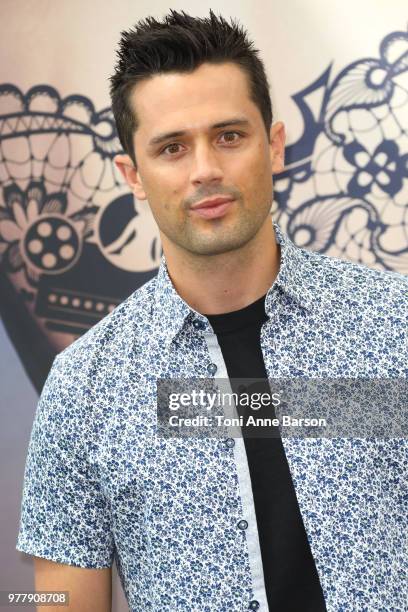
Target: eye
229	140
169	146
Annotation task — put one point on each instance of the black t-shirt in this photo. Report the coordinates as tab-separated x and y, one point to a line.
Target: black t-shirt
291	579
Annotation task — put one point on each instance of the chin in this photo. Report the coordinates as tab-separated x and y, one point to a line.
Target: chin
218	247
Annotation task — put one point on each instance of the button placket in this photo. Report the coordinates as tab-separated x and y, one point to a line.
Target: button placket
243	524
198	324
212	368
249	534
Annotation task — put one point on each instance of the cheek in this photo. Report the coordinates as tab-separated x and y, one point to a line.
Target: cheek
263	169
257	183
165	199
166	184
256	176
257	162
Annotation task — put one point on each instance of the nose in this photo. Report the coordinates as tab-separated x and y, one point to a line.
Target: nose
206	165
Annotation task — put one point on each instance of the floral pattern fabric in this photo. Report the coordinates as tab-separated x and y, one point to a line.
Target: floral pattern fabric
100	485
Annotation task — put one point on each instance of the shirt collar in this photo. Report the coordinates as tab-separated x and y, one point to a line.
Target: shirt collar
295	279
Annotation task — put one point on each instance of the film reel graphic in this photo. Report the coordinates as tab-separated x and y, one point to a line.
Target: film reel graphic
51	244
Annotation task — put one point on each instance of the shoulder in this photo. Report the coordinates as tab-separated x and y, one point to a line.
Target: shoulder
114	333
361	313
77	395
101	349
342	282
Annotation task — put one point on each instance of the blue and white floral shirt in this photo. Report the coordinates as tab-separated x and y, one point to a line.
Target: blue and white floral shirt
177	514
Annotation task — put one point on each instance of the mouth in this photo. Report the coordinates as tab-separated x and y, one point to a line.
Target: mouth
212	208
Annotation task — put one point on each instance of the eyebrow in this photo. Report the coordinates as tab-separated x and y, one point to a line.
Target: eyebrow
163	137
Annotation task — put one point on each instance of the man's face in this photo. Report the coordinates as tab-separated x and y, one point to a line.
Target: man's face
202	161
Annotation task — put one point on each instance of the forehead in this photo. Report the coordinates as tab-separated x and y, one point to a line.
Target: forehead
191	100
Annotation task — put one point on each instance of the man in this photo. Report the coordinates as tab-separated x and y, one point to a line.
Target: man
209	524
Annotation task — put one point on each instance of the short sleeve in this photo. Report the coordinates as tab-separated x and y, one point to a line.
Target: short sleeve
64	515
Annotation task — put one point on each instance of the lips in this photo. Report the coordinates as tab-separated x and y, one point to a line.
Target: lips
212	208
212	202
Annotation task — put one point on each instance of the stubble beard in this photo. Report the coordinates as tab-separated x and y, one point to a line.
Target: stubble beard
221	236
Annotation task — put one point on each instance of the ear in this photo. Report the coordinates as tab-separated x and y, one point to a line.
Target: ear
131	175
277	139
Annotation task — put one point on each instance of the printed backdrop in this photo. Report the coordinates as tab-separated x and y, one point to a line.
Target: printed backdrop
74	242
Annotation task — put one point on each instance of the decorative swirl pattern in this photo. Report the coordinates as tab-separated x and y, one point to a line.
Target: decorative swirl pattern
344	191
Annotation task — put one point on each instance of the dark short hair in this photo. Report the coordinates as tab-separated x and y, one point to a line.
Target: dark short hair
181	43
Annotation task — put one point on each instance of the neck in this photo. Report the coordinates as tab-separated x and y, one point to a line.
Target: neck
226	282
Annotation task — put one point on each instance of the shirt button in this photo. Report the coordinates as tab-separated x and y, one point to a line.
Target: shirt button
254	605
230	442
198	324
212	368
243	524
